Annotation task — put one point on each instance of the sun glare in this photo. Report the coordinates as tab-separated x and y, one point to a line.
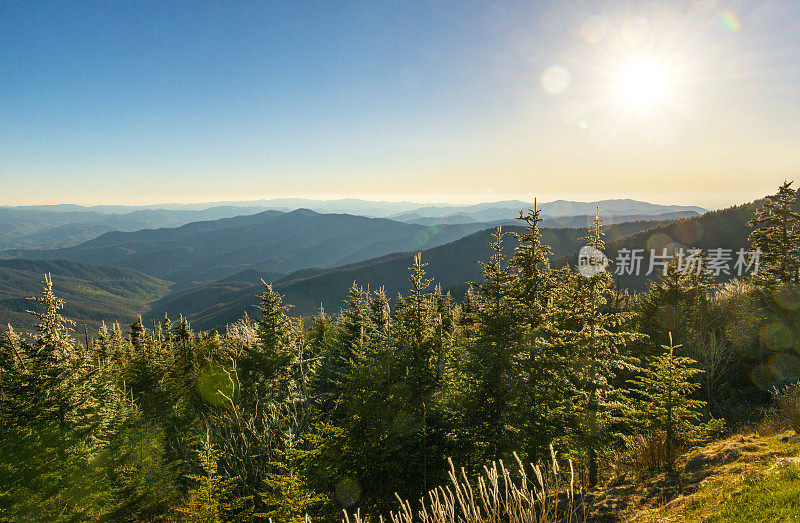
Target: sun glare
642	85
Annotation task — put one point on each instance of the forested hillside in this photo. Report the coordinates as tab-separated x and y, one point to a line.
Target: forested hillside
52	227
452	266
94	293
268	241
275	418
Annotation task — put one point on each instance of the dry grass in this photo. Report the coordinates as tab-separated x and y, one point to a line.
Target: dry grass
710	482
645	452
500	495
787	401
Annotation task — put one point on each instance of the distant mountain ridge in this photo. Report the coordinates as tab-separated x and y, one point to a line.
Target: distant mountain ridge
494	211
268	241
214	304
32	228
555	222
66	225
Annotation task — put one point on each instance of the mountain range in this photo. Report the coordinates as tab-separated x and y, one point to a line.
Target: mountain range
267	241
211	269
215	304
58	226
92	293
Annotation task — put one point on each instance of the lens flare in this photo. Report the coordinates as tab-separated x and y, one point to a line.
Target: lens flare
555	80
731	21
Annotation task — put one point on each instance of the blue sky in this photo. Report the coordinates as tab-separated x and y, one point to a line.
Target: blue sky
145	102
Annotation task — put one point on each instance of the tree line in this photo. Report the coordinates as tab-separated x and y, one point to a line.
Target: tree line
279	417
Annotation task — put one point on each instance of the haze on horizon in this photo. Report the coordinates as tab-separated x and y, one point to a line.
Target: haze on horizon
689	102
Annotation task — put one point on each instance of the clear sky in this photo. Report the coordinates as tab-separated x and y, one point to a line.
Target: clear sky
145	102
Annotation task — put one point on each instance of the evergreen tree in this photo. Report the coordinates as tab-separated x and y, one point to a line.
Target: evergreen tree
662	396
212	499
491	356
777	235
46	414
277	336
677	302
598	337
444	320
380	312
541	366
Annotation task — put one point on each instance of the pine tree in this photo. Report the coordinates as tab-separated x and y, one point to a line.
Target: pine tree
777	236
541	365
47	420
380	312
598	337
277	336
444	320
213	498
138	334
491	356
353	325
287	497
662	396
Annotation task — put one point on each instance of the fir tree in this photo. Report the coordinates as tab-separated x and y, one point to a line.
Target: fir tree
380	312
276	334
662	396
491	356
541	365
212	499
777	235
598	339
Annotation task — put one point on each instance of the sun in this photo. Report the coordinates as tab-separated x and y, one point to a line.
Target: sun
642	85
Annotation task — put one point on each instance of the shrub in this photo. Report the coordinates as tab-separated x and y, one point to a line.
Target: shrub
787	405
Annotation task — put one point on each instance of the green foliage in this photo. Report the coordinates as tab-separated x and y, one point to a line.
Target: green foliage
491	355
663	404
287	497
591	329
346	411
212	497
776	233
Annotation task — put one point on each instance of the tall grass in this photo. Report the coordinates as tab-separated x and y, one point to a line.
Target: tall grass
787	401
499	495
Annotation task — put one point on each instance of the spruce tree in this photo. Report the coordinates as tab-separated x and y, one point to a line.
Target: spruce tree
777	235
598	335
212	498
276	334
541	365
491	356
662	399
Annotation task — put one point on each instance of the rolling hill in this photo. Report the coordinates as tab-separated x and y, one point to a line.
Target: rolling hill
51	227
215	304
268	241
92	293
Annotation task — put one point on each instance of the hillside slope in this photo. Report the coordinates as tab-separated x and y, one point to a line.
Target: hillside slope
451	265
268	241
722	229
91	293
743	478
